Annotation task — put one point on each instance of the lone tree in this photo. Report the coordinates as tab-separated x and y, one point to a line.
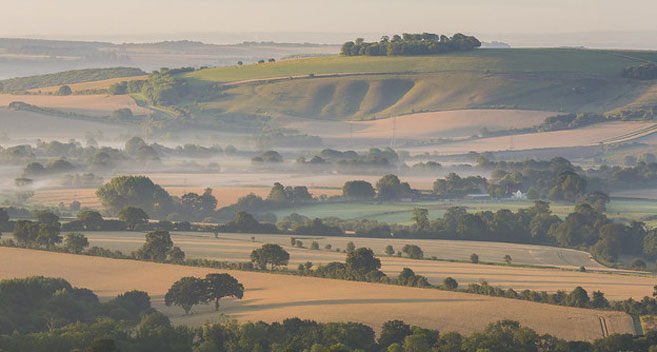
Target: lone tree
389	250
358	190
76	242
159	248
187	292
222	285
474	258
64	90
270	254
450	284
132	216
421	218
351	247
507	259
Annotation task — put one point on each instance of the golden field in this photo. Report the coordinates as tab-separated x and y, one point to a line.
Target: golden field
270	297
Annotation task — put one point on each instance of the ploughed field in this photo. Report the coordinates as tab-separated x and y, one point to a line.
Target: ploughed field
238	247
271	297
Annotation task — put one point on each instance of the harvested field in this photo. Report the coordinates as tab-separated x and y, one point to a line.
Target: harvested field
270	297
458	123
92	105
77	87
237	247
587	136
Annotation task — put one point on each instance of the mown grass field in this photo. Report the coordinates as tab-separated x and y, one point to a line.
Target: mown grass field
238	247
271	297
378	87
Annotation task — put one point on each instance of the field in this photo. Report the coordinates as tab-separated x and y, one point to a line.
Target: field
461	123
93	105
356	88
598	134
226	195
78	87
494	60
270	297
237	247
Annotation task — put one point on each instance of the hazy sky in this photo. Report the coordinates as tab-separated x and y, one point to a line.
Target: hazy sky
67	18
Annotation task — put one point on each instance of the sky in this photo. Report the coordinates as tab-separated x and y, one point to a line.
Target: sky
68	19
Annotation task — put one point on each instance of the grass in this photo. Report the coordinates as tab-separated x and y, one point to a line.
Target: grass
270	297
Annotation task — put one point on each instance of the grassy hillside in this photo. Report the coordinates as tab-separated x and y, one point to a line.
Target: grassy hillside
67	77
374	87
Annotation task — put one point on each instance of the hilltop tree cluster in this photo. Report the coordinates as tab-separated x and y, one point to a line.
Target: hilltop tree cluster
410	44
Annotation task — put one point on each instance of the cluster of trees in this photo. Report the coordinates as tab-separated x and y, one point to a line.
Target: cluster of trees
569	121
270	156
578	297
190	291
126	87
388	188
302	225
37	304
409	44
164	88
159	248
45	233
36	169
642	71
556	179
454	186
350	161
640	174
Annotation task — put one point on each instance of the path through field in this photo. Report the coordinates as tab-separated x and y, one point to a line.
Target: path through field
271	297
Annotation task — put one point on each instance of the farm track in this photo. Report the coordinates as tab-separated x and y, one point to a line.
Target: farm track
632	135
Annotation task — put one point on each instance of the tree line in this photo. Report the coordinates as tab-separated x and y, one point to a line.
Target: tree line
409	44
66	319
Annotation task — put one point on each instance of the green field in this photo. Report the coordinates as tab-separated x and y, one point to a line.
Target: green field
570	80
400	212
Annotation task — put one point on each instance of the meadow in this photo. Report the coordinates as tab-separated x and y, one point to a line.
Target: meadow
271	297
559	272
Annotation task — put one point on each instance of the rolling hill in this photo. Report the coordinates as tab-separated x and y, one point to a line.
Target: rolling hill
360	88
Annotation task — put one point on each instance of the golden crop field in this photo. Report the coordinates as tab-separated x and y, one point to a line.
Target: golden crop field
271	297
77	87
615	284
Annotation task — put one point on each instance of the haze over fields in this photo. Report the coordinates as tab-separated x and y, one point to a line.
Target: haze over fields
328	176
